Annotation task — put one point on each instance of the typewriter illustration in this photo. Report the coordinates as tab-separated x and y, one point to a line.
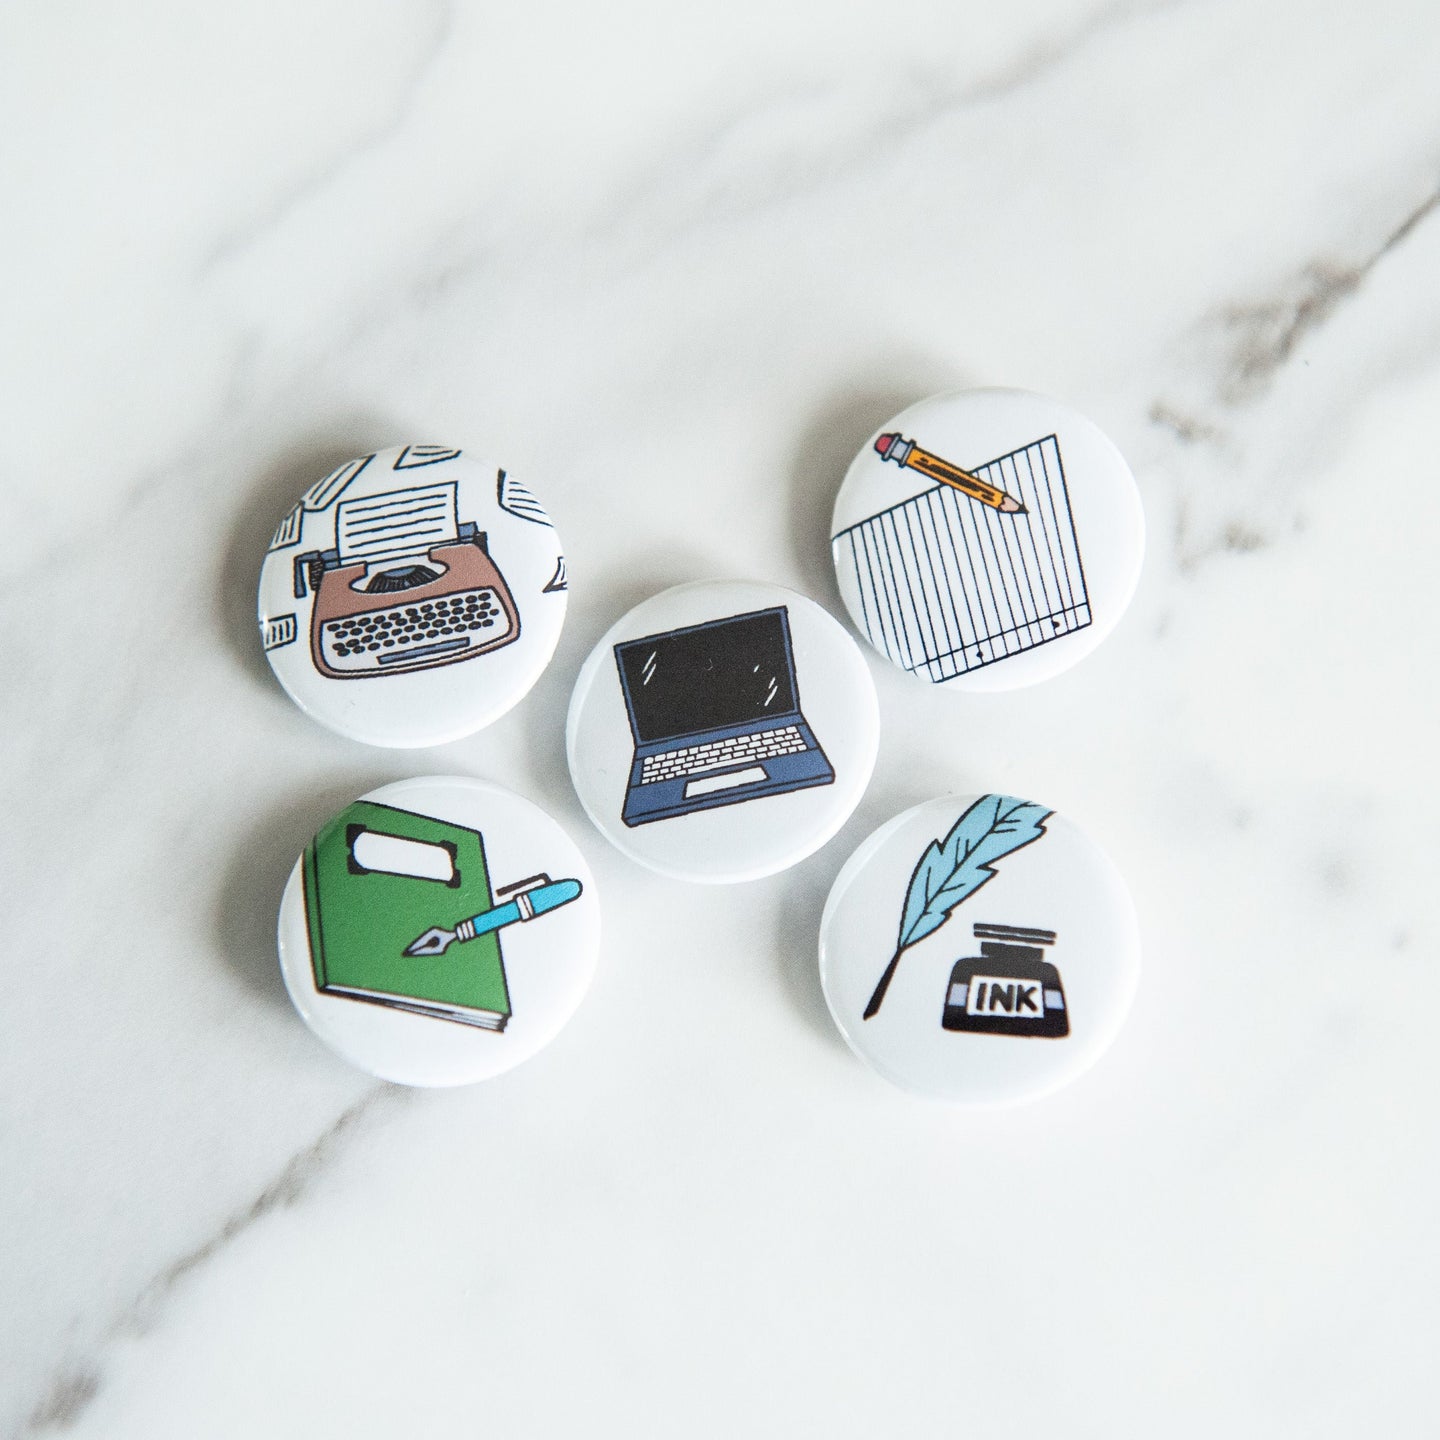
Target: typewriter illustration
408	586
1009	988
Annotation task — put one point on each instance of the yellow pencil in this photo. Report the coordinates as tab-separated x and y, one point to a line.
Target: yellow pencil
907	452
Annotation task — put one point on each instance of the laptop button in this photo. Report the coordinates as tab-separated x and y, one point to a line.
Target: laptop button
755	719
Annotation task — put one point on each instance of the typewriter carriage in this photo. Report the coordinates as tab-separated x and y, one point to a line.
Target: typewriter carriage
352	593
312	567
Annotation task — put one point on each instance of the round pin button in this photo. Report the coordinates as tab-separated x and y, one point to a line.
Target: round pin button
412	596
987	539
722	731
980	949
438	931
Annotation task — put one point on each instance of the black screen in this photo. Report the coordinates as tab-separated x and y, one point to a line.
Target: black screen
729	672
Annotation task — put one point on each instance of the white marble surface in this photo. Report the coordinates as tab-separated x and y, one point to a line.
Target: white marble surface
675	262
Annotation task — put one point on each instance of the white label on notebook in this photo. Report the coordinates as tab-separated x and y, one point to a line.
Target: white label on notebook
398	525
395	855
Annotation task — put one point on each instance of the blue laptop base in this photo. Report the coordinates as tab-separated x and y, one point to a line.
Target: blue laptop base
666	798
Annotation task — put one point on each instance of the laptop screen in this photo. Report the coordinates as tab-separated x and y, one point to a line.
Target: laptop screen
727	672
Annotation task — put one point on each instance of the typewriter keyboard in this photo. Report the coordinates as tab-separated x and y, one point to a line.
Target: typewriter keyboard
414	634
739	749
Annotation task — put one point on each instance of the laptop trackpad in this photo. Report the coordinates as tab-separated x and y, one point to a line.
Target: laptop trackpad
708	784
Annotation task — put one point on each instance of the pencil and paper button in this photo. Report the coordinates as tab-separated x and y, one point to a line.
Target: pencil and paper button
987	539
980	949
722	731
412	596
404	955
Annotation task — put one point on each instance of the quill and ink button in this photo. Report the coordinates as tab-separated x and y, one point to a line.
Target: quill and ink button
412	596
987	539
722	731
438	931
980	949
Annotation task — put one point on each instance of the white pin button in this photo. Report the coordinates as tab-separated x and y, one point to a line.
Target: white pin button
980	949
722	731
438	931
987	539
412	596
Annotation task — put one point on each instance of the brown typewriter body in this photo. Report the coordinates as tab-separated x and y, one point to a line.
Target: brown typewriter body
452	605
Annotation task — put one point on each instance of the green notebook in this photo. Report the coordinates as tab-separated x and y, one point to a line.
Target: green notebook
375	879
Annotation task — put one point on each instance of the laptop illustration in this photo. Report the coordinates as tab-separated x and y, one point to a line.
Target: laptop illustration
715	712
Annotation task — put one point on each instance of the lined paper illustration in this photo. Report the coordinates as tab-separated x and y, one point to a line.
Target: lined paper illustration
948	585
397	524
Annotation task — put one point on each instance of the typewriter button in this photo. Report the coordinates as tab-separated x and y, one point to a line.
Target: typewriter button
987	539
438	931
685	684
979	949
397	552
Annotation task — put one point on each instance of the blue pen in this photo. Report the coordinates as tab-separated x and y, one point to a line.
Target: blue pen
537	896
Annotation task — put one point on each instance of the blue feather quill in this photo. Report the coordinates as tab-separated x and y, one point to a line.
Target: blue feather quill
953	869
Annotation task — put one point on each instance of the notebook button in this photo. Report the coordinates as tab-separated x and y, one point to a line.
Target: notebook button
980	949
987	539
412	596
700	684
438	931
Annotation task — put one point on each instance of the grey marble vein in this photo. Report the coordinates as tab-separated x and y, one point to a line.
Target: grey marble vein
387	124
694	183
1268	332
1263	339
76	1383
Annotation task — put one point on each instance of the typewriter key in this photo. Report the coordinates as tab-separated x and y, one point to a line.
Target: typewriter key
982	950
438	931
987	539
412	596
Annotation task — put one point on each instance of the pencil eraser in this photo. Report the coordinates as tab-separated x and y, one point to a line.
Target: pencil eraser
980	949
722	731
412	596
987	539
438	931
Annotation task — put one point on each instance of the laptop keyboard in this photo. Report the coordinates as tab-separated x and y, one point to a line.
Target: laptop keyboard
377	639
739	749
